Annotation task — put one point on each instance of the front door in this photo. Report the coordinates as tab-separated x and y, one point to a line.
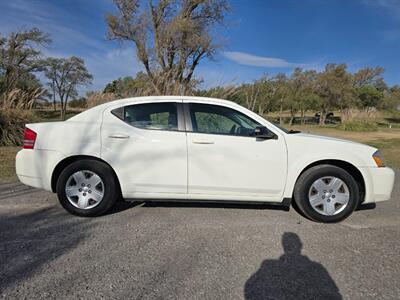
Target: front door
225	159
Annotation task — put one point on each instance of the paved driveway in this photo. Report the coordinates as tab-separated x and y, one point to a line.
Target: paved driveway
188	251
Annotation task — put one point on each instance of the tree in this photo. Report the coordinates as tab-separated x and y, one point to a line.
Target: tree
370	76
65	75
268	94
391	99
369	96
335	89
281	82
171	37
130	87
20	58
301	89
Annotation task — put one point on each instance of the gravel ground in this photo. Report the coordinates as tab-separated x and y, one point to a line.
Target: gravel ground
194	251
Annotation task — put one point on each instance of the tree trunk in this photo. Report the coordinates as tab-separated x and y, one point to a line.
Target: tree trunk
260	110
322	117
341	113
302	117
292	115
54	101
61	109
54	95
280	112
65	110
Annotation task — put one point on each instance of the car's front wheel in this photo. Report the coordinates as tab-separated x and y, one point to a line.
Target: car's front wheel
326	193
87	188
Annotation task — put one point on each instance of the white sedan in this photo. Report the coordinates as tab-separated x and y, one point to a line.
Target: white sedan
197	149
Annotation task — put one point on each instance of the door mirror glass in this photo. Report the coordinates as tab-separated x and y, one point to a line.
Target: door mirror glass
262	132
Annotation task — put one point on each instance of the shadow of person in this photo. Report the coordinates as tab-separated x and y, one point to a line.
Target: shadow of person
292	276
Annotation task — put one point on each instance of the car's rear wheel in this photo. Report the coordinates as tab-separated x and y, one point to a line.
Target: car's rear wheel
87	188
326	193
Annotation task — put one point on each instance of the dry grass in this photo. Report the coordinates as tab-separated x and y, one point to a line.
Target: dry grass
7	163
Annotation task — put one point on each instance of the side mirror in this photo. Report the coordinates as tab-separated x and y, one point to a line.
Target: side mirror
262	132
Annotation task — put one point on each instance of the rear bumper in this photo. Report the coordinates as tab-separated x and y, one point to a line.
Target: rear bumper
379	183
35	167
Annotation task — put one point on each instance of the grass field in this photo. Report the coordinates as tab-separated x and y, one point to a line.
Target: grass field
387	140
7	163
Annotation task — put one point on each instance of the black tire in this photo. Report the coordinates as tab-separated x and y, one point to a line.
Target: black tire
303	186
111	187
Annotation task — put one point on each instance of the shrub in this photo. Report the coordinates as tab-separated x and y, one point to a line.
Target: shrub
12	123
78	103
358	125
359	119
97	98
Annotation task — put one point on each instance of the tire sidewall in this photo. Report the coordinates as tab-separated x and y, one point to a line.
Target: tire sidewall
310	176
104	172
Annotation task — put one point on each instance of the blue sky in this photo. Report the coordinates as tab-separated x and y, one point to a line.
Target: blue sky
261	36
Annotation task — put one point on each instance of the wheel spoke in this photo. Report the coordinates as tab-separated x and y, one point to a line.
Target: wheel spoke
335	184
71	191
96	195
342	198
329	208
83	202
320	185
316	200
94	180
79	177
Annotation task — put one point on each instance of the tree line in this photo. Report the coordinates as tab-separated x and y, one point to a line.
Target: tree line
334	88
322	92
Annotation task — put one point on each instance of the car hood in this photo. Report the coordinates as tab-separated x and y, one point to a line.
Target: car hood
322	138
322	147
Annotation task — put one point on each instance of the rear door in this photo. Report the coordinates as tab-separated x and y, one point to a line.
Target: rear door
225	159
145	143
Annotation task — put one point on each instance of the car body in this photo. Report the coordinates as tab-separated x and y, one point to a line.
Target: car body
184	148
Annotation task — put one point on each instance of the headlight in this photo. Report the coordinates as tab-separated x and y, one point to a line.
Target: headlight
378	158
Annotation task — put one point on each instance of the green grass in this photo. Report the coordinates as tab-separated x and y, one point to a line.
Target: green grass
390	149
7	163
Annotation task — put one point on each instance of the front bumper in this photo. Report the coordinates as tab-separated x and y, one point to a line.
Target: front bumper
379	183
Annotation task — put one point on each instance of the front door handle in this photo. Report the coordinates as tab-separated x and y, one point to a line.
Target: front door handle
203	142
118	136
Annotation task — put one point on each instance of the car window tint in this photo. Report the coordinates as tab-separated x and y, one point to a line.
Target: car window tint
160	116
216	119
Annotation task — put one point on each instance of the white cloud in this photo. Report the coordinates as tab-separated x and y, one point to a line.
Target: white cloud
260	61
383	3
392	6
111	65
105	60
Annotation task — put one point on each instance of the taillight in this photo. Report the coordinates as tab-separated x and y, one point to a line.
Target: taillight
29	138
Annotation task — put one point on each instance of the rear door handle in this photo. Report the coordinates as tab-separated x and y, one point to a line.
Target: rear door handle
203	142
118	136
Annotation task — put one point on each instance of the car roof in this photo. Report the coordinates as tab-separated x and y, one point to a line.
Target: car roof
166	98
148	99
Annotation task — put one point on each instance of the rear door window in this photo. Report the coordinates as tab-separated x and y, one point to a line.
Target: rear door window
156	116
